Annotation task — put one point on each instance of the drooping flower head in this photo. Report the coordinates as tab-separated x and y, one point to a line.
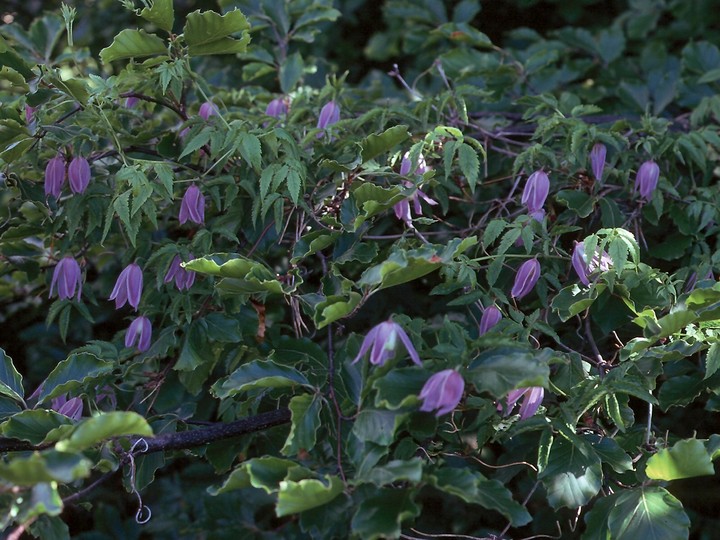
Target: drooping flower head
183	278
79	174
128	287
72	408
29	114
383	340
647	179
193	206
442	392
207	110
131	101
536	191
584	268
597	160
490	317
533	397
55	176
139	331
329	115
67	277
406	164
526	278
402	208
276	108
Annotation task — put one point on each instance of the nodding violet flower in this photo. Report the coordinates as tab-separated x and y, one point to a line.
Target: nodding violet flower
29	114
72	408
402	209
128	287
526	278
647	179
276	108
442	392
597	160
536	191
406	165
533	397
207	110
383	340
131	101
67	277
140	331
584	268
329	115
193	206
183	278
490	317
54	176
79	174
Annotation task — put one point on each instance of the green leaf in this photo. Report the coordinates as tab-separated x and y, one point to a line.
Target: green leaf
290	72
374	145
648	512
573	300
596	521
393	471
259	374
469	164
48	466
133	44
160	13
195	351
686	459
578	201
381	515
712	360
474	488
501	369
76	371
377	426
250	149
99	428
334	308
295	497
33	425
305	411
208	32
10	379
573	474
399	388
265	473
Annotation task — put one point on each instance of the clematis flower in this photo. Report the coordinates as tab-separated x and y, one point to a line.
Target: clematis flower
29	114
79	174
526	278
490	317
402	209
584	268
67	277
329	115
276	108
193	206
383	340
597	160
647	179
72	408
536	191
442	392
406	164
131	101
183	278
128	287
532	398
207	110
55	176
140	331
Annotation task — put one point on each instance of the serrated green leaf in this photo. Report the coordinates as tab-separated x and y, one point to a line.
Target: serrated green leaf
161	13
133	44
76	371
469	164
208	32
374	145
10	379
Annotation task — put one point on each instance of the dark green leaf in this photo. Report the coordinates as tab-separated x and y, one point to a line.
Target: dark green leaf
133	44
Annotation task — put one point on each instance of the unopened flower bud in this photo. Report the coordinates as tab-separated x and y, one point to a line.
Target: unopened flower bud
276	108
128	287
597	160
183	278
526	278
79	174
647	179
383	340
490	317
329	115
67	277
55	176
207	110
536	191
193	206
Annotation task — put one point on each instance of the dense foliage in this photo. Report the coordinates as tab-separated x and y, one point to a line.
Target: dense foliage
251	285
